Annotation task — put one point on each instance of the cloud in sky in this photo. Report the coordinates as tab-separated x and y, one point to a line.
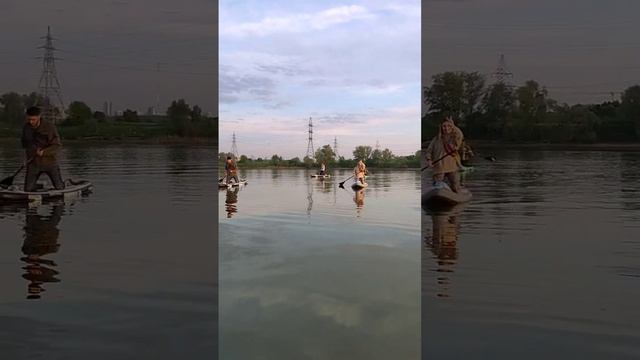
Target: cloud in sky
347	65
297	23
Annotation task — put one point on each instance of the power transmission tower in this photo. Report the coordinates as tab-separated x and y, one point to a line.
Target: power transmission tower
335	147
234	147
49	86
311	153
378	145
502	73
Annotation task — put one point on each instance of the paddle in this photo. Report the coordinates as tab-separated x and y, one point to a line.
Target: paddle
428	166
6	182
345	180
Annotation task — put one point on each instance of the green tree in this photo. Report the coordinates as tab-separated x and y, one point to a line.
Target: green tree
630	106
100	116
362	152
130	116
13	109
325	155
179	113
456	94
32	99
387	156
497	105
308	162
276	160
196	113
376	156
78	113
295	162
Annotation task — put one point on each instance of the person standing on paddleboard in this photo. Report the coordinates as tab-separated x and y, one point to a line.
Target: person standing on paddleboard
466	154
323	169
444	149
231	169
360	171
42	144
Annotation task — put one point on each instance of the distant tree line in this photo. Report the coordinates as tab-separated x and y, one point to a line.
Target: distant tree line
372	157
526	113
181	120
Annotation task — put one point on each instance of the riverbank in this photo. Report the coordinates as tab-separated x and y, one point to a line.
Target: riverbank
559	146
166	140
484	144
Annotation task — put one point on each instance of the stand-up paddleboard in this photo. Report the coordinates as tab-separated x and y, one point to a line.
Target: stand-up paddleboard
224	185
72	188
318	176
358	185
441	194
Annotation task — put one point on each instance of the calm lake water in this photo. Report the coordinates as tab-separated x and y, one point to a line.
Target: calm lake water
128	272
543	263
312	271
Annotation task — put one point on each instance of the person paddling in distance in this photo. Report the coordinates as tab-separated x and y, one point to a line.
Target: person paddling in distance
441	155
466	154
323	169
360	171
231	170
41	142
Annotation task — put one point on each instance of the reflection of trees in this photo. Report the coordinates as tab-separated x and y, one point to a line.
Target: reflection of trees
442	242
275	175
41	235
630	178
231	201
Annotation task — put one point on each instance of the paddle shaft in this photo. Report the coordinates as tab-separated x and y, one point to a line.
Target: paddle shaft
345	180
428	166
9	180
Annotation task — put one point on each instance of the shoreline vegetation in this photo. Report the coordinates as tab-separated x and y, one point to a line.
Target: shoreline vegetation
525	115
181	123
374	158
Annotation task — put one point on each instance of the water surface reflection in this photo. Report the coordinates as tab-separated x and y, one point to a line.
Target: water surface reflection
546	253
307	273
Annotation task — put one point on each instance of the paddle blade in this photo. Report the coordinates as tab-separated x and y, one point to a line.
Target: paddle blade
6	182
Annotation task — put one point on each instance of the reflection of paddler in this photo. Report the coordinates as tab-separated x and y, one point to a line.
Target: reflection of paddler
40	238
231	170
358	198
445	238
231	201
443	244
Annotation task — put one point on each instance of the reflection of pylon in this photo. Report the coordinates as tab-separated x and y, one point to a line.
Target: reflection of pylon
502	73
234	147
53	107
311	153
335	146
